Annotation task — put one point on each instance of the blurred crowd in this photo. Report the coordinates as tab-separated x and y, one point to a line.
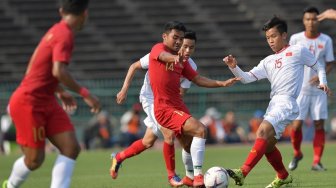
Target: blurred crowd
106	131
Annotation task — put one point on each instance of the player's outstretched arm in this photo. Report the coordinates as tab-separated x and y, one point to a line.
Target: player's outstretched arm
206	82
246	77
60	71
327	14
122	94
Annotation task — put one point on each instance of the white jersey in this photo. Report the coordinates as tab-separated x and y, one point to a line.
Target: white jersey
321	47
146	90
284	70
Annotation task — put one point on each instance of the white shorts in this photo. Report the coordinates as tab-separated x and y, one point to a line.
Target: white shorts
150	121
281	111
317	105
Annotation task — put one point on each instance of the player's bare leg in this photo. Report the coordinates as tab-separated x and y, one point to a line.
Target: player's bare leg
69	149
318	144
296	139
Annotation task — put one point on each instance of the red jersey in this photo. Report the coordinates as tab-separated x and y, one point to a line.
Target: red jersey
165	81
39	85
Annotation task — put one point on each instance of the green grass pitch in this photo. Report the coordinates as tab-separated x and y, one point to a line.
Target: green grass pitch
147	169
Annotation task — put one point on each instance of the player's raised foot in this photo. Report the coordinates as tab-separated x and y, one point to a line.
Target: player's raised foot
187	181
115	165
4	184
198	181
237	176
175	181
294	163
318	167
277	182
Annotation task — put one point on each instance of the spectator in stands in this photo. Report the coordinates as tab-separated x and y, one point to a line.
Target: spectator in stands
212	120
254	124
233	132
327	14
131	125
34	108
99	133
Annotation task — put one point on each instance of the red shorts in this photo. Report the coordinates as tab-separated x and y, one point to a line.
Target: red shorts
35	123
172	119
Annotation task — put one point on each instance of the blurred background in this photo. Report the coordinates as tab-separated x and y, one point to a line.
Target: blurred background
119	32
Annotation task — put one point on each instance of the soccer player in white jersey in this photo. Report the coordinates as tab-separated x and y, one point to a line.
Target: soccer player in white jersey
311	99
284	70
153	128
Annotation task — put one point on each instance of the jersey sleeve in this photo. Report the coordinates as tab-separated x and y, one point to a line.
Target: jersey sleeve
156	51
185	83
329	56
192	64
259	72
255	74
144	61
62	49
189	72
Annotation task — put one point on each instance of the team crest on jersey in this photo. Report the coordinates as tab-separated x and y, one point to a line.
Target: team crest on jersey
320	46
289	54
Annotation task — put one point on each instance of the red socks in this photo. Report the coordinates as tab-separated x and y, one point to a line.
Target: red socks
169	157
296	138
275	159
134	149
256	153
318	144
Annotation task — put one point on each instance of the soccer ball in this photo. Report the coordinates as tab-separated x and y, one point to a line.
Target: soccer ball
216	177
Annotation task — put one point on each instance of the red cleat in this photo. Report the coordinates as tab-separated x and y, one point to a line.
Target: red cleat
198	181
187	181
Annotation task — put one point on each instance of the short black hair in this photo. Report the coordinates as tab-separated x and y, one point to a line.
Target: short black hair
280	24
174	25
311	9
189	34
75	7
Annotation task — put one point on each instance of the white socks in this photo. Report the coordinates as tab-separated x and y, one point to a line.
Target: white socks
188	164
62	172
197	153
19	173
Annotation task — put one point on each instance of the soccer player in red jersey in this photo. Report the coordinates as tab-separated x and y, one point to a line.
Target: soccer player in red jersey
166	66
154	131
34	107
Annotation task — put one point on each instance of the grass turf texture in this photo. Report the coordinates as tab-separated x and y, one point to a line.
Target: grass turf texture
147	169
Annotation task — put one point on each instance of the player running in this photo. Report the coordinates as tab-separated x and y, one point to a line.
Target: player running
34	107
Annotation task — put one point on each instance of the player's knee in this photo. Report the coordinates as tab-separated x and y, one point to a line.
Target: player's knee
34	163
201	131
72	151
148	143
319	125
